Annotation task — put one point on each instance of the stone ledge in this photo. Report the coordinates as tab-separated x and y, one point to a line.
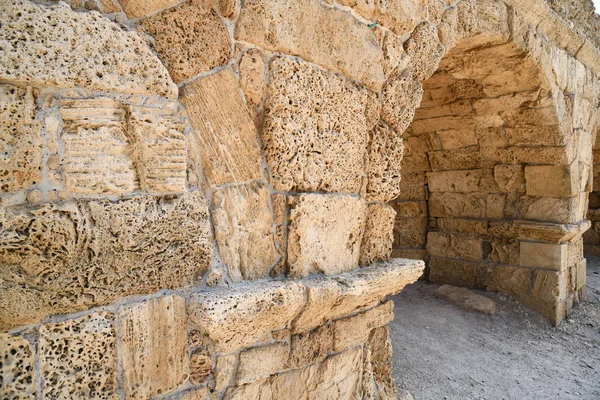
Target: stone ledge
550	233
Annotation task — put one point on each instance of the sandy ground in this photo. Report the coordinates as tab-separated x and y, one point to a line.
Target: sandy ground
444	352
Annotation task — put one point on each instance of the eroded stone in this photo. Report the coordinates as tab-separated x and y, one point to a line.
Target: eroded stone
379	234
260	362
385	151
17	368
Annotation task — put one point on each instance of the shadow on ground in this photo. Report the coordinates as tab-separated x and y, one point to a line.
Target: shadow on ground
444	352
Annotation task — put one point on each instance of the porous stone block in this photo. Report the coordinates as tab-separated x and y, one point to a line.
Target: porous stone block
338	41
17	368
355	330
399	16
461	205
551	180
543	255
401	95
153	337
139	8
511	280
410	232
66	264
315	128
189	38
228	140
384	151
261	362
191	394
225	369
252	70
78	358
87	50
509	178
379	234
380	347
547	209
425	50
454	246
324	233
467	299
310	347
244	230
236	317
464	273
200	365
455	181
21	162
452	139
549	232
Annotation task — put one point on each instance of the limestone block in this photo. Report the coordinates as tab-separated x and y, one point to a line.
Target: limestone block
425	50
457	139
252	71
189	38
400	16
159	152
229	147
260	390
78	358
237	317
339	376
495	206
192	394
87	50
410	232
336	40
394	58
463	225
321	295
355	330
456	205
415	157
384	151
581	268
21	139
505	251
549	232
455	181
310	347
464	273
401	95
244	230
225	369
17	368
324	233
260	362
510	178
512	280
410	208
458	159
551	180
543	255
379	234
560	210
454	246
153	337
548	288
139	8
75	255
315	128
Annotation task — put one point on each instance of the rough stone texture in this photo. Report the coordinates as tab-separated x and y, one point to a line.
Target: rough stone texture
153	339
74	255
385	150
261	362
189	38
331	38
379	234
380	347
225	369
309	347
86	50
236	317
228	141
400	97
20	139
354	330
582	14
315	128
244	230
400	16
467	299
325	234
78	358
139	8
425	50
252	70
16	368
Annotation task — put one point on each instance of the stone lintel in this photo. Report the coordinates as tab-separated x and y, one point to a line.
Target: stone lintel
550	232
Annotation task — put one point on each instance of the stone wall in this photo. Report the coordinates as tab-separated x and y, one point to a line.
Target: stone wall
190	188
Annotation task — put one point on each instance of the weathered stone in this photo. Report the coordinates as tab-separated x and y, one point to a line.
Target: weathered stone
551	181
384	151
550	233
200	365
379	234
543	255
244	230
380	347
78	358
509	178
505	251
260	362
425	50
309	347
456	205
315	128
466	299
464	273
87	50
189	38
153	339
410	232
252	81
325	233
225	370
21	161
228	140
457	139
454	246
355	330
237	317
400	97
511	280
139	8
191	394
455	181
337	41
17	368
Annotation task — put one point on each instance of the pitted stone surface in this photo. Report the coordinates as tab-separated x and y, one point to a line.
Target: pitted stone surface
401	16
400	97
315	128
228	140
425	50
325	233
20	139
329	37
78	358
244	230
236	317
139	8
385	151
17	369
379	234
75	255
189	38
86	50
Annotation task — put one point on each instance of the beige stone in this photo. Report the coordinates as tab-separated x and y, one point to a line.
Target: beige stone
139	8
456	205
87	50
191	394
551	181
17	368
380	347
336	40
379	234
153	346
237	317
252	71
78	357
385	151
260	362
509	178
244	230
425	50
225	369
543	255
454	246
309	347
410	232
228	143
400	97
325	234
454	272
189	38
400	16
21	161
457	139
455	181
467	299
549	232
355	330
315	128
200	365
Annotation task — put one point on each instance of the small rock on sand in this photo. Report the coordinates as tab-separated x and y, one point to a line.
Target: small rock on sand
467	299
